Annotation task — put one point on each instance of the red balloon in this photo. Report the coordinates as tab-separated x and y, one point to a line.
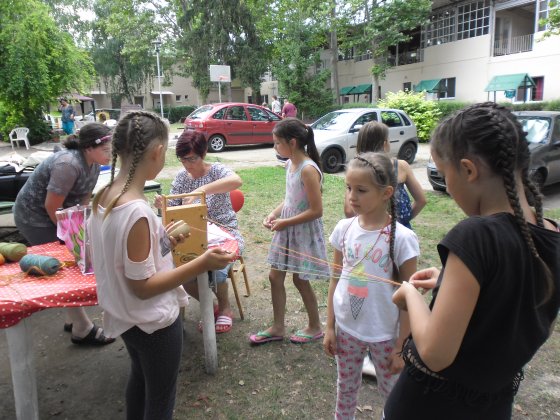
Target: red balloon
237	199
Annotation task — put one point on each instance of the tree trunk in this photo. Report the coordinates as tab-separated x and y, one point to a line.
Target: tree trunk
334	56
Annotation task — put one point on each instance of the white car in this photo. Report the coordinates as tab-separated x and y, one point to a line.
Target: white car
336	134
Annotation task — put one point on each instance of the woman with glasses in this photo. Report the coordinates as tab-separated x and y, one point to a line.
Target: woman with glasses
216	181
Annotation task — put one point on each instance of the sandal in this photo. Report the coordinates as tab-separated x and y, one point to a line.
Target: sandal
223	324
216	312
94	338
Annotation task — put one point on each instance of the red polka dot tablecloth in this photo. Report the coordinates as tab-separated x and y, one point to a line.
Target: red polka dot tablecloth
22	295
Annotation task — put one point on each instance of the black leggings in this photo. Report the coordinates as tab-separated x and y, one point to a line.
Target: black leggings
150	393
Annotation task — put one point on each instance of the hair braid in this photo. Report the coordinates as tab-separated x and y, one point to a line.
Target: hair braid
392	235
493	134
536	196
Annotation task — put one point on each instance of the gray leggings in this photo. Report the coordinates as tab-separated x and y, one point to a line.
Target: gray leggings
150	393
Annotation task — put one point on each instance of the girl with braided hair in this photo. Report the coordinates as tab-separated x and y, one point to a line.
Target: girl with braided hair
137	285
497	297
369	247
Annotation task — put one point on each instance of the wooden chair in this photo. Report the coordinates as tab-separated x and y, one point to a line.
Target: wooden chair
19	134
237	199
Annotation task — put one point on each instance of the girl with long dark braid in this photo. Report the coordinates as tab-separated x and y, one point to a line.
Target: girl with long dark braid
137	285
497	297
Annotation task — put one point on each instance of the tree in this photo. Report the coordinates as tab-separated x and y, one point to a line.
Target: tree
553	21
383	24
38	63
122	48
220	32
295	32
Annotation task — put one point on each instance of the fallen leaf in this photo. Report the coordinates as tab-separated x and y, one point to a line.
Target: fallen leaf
229	392
241	383
368	408
360	409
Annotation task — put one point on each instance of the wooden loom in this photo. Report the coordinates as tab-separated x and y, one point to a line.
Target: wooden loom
194	215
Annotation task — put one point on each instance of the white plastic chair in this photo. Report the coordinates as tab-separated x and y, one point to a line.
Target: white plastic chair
20	135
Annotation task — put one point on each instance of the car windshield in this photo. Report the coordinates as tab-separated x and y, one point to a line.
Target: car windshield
200	113
536	128
334	121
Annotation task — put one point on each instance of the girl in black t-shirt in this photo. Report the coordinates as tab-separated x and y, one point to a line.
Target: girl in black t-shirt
498	294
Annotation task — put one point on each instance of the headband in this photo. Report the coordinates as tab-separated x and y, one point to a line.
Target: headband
103	139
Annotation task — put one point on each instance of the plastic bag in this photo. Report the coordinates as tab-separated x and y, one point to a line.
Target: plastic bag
71	228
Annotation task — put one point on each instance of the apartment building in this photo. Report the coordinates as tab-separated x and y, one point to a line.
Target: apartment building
470	51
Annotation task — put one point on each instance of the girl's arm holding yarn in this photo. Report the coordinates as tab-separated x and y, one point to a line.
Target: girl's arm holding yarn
329	341
275	214
396	363
138	249
438	333
312	186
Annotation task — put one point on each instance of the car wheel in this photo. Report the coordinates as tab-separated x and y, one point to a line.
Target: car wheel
331	161
538	179
408	152
216	143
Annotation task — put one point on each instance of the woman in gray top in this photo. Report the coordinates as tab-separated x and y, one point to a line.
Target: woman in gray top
64	179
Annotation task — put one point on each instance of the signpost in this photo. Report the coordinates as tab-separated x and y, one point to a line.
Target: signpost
220	74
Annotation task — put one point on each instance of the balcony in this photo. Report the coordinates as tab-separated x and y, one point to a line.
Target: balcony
513	45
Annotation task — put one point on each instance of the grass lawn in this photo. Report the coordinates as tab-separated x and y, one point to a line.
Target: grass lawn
283	380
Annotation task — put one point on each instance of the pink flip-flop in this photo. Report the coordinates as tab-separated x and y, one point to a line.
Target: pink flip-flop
301	338
223	324
264	337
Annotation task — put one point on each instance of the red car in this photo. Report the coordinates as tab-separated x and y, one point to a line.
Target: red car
233	123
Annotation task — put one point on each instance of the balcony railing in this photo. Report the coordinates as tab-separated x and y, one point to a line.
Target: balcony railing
513	45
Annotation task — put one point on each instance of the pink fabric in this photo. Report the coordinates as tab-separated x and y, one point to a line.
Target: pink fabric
350	357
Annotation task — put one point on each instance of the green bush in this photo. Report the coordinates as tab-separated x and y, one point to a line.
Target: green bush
425	114
447	108
174	114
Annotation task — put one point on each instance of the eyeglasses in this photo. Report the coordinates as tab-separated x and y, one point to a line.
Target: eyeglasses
191	159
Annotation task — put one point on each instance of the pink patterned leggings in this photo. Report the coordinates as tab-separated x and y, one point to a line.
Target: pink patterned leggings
350	357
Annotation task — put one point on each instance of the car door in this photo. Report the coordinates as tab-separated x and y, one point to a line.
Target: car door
553	154
262	124
237	127
352	138
397	130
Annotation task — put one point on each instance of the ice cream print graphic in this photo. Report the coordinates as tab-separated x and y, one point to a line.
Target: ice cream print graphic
356	259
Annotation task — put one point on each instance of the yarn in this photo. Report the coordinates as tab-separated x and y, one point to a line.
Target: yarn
39	265
12	251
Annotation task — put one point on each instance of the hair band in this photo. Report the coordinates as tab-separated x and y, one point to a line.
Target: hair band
103	139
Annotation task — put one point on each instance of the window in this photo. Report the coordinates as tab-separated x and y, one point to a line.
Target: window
391	119
236	113
407	86
370	116
545	6
473	19
456	23
440	30
272	116
219	115
178	98
531	93
446	88
257	114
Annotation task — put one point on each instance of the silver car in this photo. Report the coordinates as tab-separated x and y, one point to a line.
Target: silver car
336	134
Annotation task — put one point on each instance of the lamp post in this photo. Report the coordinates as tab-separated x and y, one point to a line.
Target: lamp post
157	45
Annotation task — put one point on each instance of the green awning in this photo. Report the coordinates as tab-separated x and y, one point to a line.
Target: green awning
427	85
360	89
509	82
346	90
